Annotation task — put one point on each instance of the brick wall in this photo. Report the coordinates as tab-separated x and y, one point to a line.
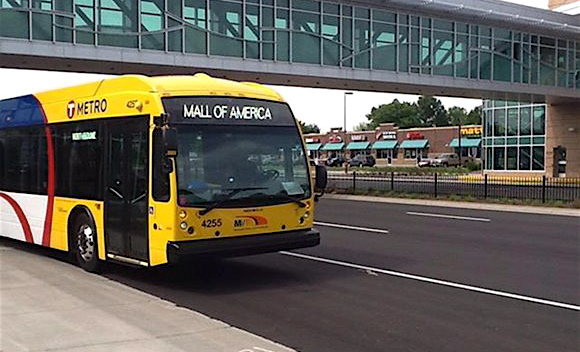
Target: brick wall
557	3
563	129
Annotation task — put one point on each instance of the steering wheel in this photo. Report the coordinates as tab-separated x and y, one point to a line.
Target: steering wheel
271	174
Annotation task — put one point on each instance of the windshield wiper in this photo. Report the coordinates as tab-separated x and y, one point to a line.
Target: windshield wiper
300	203
227	197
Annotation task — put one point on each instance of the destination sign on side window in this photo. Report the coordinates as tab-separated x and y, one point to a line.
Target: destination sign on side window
227	111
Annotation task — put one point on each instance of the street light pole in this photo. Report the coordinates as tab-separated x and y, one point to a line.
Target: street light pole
345	94
459	144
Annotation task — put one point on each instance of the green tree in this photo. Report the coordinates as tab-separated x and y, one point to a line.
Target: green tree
432	112
403	114
474	116
363	126
309	128
457	115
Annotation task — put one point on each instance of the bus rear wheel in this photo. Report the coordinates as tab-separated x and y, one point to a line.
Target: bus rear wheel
84	243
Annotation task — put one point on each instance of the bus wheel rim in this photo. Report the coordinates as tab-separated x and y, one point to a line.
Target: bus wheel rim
86	242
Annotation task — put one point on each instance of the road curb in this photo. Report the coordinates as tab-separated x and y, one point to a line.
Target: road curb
463	205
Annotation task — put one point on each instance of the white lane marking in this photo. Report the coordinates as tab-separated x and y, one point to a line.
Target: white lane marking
448	216
436	281
349	227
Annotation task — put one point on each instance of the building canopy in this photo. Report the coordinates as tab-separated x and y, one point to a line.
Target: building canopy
333	146
414	143
313	146
465	142
357	145
385	145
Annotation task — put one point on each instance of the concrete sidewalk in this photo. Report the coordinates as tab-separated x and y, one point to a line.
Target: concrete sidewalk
463	205
49	305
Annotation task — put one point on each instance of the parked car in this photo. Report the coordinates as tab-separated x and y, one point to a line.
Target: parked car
447	159
335	161
362	160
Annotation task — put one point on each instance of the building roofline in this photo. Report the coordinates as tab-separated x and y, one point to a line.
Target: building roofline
486	12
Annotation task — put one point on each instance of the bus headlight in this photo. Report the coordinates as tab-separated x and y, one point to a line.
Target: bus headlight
306	215
182	214
183	225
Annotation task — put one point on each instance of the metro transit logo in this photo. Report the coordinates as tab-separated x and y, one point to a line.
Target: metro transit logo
85	108
71	109
250	221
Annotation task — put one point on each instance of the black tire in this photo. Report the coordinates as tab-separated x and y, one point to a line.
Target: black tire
83	244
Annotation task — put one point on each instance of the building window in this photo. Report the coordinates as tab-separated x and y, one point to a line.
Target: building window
410	153
499	158
525	121
524	158
415	153
499	122
519	131
512	158
539	120
538	158
512	122
386	153
354	153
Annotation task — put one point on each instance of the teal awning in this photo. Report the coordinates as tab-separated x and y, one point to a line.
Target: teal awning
313	146
385	145
414	143
357	145
465	142
333	146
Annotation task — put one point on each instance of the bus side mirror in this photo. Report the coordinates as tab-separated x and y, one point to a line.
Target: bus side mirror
169	140
320	181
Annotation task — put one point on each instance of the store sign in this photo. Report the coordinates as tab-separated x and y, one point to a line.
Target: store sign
415	135
389	135
358	137
335	139
312	140
472	131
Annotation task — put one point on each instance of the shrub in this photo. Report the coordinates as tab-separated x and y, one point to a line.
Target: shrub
473	166
405	170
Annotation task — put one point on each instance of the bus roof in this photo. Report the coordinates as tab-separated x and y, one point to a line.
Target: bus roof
198	84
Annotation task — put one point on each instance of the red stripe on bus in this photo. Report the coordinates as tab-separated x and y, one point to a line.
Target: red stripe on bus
50	186
21	217
50	204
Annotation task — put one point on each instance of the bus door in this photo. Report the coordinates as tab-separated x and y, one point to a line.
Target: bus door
126	198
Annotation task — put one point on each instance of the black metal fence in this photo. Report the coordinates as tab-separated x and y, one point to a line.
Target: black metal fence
483	187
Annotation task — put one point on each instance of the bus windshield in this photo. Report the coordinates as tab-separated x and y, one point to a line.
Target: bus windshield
240	165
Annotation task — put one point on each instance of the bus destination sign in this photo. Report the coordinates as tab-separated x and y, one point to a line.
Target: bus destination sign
204	111
227	111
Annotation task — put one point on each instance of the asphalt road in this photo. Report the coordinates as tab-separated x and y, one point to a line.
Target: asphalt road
531	264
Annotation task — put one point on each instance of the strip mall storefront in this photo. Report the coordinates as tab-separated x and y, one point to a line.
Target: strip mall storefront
397	147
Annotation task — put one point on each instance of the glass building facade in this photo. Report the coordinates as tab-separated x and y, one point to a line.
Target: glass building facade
514	136
302	31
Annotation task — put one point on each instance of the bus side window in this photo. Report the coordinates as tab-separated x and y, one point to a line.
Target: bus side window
78	162
160	178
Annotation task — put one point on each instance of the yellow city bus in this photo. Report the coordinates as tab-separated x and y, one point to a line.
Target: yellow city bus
148	170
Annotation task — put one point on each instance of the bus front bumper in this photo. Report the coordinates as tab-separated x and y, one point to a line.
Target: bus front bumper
242	245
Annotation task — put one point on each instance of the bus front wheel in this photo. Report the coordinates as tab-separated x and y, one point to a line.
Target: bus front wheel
84	243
